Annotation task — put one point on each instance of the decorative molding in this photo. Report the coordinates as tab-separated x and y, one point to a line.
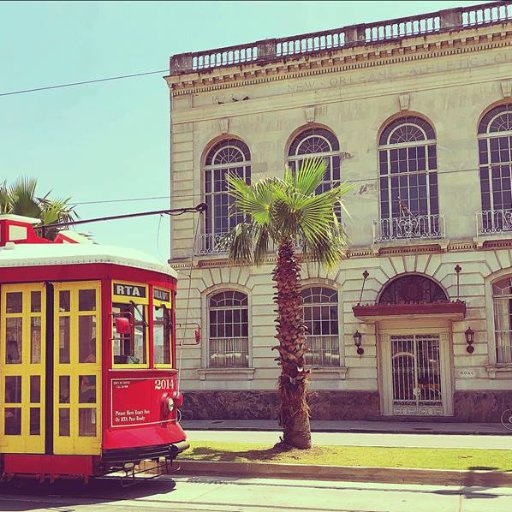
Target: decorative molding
224	125
343	61
505	370
243	374
506	88
309	114
403	100
329	372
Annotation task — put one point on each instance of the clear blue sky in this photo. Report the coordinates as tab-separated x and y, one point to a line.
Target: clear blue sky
110	141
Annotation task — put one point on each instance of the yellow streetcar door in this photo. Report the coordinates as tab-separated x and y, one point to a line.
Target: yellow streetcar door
77	369
22	368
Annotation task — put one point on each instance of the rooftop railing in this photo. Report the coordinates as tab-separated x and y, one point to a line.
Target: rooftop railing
269	50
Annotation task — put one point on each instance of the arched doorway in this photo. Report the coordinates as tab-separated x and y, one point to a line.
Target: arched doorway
413	315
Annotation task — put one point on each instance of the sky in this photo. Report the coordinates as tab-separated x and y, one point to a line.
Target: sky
106	145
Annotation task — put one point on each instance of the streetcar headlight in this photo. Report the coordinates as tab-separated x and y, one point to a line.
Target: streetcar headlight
170	404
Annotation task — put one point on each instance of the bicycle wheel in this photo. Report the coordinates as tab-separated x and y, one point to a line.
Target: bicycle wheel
506	419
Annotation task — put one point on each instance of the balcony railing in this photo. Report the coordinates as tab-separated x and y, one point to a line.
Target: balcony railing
323	350
229	352
409	227
269	50
209	244
491	222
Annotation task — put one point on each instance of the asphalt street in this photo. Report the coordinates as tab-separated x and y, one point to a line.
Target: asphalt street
228	494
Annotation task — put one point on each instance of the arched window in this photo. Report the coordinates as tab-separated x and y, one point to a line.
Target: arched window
409	205
317	142
412	289
320	306
502	302
228	156
228	342
495	152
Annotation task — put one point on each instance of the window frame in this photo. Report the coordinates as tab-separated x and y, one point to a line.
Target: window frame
333	156
247	338
322	304
213	172
489	189
413	180
501	297
157	303
132	301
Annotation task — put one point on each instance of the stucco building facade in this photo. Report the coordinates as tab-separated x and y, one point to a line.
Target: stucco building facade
416	113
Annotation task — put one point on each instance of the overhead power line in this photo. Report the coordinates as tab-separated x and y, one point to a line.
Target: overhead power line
85	82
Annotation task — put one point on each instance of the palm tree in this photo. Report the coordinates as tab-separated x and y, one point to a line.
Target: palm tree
20	199
287	212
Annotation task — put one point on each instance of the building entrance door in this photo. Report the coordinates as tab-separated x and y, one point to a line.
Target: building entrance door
415	379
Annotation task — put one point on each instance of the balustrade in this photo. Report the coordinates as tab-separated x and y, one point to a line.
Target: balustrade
269	50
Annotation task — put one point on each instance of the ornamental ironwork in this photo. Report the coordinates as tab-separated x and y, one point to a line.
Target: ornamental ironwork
412	289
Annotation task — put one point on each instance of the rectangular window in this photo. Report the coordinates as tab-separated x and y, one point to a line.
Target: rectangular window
130	347
161	335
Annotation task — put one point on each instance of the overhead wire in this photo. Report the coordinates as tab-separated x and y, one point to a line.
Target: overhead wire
83	82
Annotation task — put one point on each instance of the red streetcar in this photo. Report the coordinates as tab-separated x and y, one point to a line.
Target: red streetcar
88	377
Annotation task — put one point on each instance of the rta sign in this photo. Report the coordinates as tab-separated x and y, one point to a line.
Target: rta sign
128	290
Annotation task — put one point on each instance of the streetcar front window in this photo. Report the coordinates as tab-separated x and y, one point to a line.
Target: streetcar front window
130	348
162	335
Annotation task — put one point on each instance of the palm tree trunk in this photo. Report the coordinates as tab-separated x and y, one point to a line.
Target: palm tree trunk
294	410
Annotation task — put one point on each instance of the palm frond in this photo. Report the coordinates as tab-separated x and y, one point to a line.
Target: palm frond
310	175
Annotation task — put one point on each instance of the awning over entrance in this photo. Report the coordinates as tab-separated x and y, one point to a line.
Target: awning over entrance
455	310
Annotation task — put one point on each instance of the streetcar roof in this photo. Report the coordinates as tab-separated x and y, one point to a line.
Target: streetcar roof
28	255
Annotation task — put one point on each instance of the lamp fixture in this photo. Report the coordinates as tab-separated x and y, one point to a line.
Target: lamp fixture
357	342
470	338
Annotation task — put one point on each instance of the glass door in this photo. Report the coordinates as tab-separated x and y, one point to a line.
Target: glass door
22	363
77	369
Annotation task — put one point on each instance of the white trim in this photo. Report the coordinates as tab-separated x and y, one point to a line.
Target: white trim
28	255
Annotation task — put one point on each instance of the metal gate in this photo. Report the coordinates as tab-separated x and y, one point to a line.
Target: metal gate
416	375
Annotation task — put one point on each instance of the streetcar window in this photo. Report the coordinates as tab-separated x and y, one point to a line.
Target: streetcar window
130	348
14	302
87	339
162	335
13	352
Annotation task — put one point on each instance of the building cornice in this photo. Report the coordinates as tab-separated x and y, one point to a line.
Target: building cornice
446	246
342	60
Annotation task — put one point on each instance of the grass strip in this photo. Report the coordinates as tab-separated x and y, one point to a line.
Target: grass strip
362	456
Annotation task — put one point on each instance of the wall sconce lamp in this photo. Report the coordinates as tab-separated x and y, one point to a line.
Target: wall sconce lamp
470	338
357	342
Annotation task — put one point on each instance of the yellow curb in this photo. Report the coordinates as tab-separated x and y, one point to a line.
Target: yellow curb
348	473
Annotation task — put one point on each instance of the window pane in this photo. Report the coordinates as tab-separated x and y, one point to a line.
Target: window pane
12	424
35	302
64	339
64	389
14	302
35	340
87	389
35	421
87	422
64	430
87	300
161	335
87	339
64	301
13	353
35	389
13	390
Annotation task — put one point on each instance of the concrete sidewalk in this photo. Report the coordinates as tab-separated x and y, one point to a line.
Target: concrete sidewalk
389	427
